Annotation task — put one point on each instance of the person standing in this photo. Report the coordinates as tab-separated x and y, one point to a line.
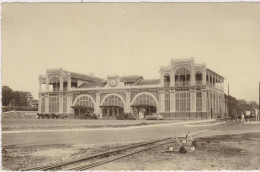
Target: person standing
188	138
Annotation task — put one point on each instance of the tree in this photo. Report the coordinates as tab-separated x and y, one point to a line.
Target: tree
19	98
232	104
7	95
253	105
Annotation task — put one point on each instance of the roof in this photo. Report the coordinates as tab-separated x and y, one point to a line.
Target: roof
86	77
91	85
149	82
131	78
215	73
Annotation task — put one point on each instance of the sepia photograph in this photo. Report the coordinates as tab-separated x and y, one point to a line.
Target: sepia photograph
130	86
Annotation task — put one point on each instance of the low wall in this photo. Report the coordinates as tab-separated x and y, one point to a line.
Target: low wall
19	114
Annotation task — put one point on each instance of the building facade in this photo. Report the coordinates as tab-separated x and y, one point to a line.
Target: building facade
184	90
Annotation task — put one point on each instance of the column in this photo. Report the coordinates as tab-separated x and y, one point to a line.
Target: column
172	78
204	76
172	101
192	76
61	83
69	83
162	101
97	107
47	84
69	103
211	75
193	100
39	103
204	101
47	104
128	103
60	103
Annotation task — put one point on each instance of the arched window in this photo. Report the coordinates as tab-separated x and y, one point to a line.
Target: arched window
182	77
84	101
145	99
54	84
167	80
198	78
113	101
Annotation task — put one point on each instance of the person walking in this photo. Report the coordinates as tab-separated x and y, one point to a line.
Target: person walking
242	117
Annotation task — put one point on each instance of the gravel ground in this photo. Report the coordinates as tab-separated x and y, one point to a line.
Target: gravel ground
224	152
227	152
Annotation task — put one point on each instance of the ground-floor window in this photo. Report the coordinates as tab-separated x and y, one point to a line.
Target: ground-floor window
83	108
167	102
84	101
113	106
144	105
53	104
198	101
182	101
64	103
145	99
43	104
113	101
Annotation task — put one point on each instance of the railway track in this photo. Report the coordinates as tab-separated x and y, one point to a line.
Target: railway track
110	155
104	157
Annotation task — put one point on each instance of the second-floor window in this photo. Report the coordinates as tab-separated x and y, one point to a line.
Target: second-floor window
198	78
167	80
182	77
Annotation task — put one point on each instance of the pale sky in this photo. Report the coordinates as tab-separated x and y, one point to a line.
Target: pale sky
130	39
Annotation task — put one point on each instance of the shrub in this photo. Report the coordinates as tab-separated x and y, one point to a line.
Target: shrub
125	116
19	108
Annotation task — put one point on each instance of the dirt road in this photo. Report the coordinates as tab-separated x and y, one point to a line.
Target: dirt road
208	153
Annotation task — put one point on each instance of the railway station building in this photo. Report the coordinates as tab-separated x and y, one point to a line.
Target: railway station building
183	90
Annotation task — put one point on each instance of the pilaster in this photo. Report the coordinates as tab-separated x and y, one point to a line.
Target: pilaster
69	83
172	78
172	101
60	103
46	103
128	103
47	83
204	76
192	76
193	100
69	102
162	101
39	103
97	108
204	101
61	83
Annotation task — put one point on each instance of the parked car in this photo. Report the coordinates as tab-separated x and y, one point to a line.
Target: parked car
155	116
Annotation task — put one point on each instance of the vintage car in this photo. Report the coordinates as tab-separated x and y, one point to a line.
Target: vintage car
154	116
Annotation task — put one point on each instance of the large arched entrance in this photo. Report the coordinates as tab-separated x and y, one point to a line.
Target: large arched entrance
83	107
112	106
144	104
